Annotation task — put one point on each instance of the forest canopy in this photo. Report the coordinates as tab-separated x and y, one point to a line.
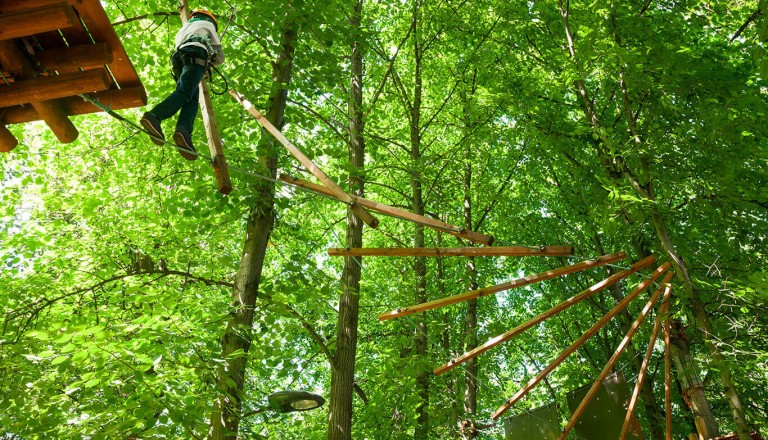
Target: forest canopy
140	302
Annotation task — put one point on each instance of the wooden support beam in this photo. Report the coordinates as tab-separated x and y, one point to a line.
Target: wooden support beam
335	189
35	21
579	342
472	236
617	353
7	140
215	147
572	301
519	282
500	251
75	105
71	59
13	60
643	370
46	88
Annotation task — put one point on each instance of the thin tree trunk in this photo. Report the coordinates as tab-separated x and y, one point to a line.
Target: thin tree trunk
225	417
471	368
343	371
419	267
617	168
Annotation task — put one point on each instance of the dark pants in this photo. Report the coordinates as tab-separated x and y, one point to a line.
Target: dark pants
185	96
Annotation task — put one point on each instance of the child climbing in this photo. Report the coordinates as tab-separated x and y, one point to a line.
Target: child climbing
197	47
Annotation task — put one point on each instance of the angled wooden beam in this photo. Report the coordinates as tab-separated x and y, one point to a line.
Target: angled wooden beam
335	189
47	88
644	367
71	59
14	61
35	21
456	231
7	140
519	282
579	342
216	148
500	251
667	369
75	105
572	301
576	415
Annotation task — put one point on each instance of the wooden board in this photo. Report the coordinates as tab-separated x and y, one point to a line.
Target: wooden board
34	21
500	251
46	88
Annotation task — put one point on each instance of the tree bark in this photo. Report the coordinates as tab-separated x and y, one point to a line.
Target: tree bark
343	367
225	417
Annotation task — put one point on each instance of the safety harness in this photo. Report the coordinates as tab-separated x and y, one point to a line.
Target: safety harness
205	41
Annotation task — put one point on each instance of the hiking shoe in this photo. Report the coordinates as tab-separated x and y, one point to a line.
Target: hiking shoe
152	125
184	141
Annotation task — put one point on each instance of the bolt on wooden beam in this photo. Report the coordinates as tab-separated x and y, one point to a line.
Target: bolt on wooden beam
500	251
579	342
519	282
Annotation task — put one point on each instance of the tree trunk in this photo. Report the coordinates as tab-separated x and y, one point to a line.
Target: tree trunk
343	368
225	417
419	267
470	321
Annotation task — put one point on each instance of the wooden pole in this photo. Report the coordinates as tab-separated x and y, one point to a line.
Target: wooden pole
500	251
456	231
645	262
617	353
519	282
339	193
36	21
47	88
579	342
644	368
667	370
50	111
216	148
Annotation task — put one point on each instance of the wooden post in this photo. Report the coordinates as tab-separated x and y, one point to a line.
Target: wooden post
47	88
50	111
456	231
36	21
579	342
71	59
519	282
617	353
572	301
500	251
7	140
220	168
644	368
667	370
339	193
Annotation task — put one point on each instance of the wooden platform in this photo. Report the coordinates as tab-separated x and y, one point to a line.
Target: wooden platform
50	52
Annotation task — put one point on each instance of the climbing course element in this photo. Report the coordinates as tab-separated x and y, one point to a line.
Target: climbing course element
545	315
619	350
579	342
519	282
660	318
332	186
456	231
500	251
216	148
50	52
